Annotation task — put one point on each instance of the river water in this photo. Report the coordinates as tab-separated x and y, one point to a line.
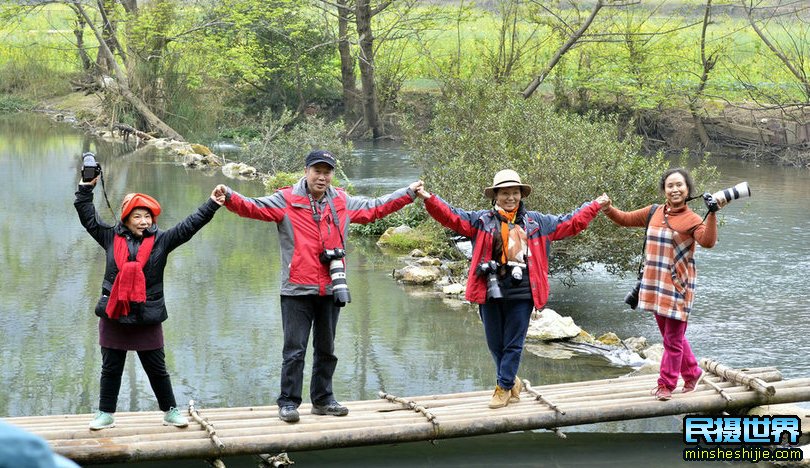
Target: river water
223	336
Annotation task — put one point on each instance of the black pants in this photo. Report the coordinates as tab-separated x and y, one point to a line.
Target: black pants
299	314
112	367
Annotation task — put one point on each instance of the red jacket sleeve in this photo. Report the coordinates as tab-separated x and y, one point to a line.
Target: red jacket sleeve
263	208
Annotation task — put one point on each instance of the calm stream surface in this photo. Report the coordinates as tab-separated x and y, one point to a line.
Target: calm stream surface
223	336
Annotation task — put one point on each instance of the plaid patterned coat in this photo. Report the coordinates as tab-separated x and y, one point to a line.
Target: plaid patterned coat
668	283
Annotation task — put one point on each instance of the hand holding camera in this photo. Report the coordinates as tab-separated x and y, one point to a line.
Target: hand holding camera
711	203
490	270
91	169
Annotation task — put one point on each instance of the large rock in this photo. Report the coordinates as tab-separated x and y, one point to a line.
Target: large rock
390	232
549	350
429	261
610	339
414	274
238	170
453	289
552	326
636	343
653	353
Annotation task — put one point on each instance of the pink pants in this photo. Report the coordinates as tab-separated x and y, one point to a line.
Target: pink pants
678	357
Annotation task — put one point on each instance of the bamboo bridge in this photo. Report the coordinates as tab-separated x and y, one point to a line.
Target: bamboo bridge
214	433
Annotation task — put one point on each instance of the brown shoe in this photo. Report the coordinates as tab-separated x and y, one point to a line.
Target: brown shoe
500	398
516	389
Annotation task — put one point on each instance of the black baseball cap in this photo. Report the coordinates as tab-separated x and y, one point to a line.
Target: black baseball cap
321	156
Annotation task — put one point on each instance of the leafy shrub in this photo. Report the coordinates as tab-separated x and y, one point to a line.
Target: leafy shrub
568	159
286	179
285	141
10	104
412	216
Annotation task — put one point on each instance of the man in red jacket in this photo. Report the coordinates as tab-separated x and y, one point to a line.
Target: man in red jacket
313	222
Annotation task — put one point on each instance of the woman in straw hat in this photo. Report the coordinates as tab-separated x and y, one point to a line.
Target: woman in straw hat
131	309
509	269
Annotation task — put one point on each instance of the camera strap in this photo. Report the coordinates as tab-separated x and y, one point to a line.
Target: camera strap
316	216
104	191
644	244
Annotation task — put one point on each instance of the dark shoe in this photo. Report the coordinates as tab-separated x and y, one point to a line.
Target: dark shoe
288	414
331	409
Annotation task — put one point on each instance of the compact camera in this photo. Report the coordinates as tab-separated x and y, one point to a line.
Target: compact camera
90	168
337	271
516	271
631	298
490	270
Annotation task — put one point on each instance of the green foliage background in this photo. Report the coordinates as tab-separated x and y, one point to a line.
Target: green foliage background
568	160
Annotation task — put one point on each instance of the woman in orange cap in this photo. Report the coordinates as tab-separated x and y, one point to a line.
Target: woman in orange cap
131	308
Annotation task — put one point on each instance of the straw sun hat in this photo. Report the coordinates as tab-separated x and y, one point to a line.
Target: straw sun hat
507	178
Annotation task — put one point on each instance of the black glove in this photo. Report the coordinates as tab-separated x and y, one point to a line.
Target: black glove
711	203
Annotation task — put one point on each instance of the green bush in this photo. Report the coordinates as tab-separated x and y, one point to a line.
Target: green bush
11	104
412	216
568	159
285	141
427	237
286	179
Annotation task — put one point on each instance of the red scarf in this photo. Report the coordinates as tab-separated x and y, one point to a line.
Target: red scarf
130	284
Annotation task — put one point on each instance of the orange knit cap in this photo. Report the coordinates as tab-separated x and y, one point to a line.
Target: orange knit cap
139	200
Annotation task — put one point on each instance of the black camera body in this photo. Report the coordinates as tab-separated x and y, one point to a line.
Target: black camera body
631	298
337	271
490	270
90	167
332	254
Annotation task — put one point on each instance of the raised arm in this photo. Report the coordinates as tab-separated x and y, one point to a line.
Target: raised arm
185	230
364	210
562	226
460	221
635	218
88	216
706	232
270	208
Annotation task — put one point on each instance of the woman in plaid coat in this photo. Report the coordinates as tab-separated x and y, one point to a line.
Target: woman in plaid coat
668	283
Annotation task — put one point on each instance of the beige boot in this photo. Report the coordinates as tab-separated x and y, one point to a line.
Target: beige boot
514	396
500	398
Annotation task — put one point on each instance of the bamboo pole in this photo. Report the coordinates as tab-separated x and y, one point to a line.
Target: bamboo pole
537	396
756	384
200	448
411	405
212	433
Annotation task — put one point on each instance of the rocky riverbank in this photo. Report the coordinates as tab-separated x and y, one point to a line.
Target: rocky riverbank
550	335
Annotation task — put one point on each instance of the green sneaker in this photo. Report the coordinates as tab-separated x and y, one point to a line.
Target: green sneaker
102	420
174	418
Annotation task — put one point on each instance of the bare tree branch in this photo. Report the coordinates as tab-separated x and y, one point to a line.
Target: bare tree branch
565	47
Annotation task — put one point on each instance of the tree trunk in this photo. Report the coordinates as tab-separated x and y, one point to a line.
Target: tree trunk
122	81
708	64
366	39
78	31
347	76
